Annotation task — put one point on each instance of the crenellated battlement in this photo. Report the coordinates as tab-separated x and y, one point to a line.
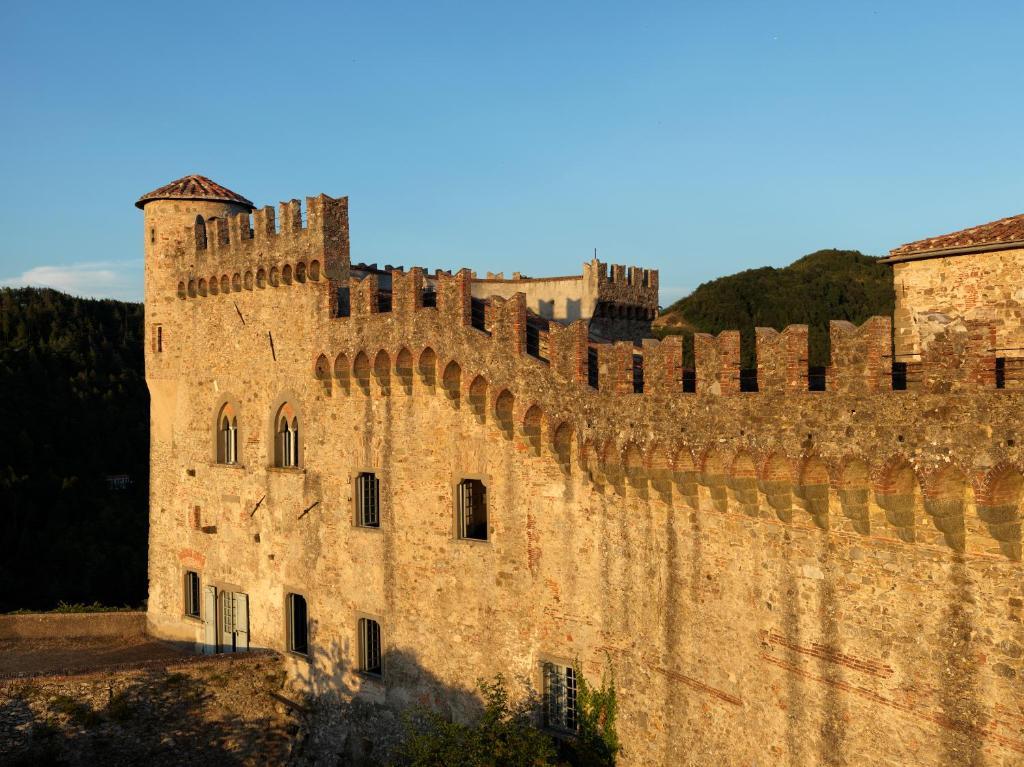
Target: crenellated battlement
243	251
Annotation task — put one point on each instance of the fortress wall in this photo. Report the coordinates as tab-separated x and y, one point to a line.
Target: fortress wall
982	287
786	577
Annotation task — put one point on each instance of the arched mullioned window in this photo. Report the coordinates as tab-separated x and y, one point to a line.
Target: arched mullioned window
200	228
286	443
227	435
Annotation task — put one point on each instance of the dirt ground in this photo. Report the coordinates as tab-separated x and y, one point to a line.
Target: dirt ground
26	657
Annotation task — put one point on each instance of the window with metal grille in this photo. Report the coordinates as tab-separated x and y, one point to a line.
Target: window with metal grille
899	376
298	624
638	374
592	367
559	700
367	500
369	647
192	594
689	382
472	509
1000	372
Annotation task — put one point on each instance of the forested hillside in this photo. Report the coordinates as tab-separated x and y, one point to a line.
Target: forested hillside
75	414
825	285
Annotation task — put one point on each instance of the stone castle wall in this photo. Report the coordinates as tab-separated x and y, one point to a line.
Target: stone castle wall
781	577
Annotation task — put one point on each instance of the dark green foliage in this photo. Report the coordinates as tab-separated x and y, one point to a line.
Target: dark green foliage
504	736
75	410
826	285
596	742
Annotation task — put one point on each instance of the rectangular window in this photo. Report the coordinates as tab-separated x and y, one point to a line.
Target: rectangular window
429	298
298	625
192	594
158	338
1000	372
472	510
899	376
478	313
592	367
369	647
816	378
689	382
367	500
559	700
748	379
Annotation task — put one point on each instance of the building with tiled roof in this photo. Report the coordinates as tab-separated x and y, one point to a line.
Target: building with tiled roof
958	281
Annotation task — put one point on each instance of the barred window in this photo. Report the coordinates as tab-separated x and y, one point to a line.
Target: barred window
192	594
367	500
369	647
298	624
472	510
559	702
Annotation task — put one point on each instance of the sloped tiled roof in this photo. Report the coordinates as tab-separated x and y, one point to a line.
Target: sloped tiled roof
993	234
193	188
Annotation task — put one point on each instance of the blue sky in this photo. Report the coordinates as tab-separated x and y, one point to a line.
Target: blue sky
700	138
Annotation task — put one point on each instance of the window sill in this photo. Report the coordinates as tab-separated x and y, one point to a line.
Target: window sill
286	469
301	655
368	676
368	528
477	541
236	466
193	619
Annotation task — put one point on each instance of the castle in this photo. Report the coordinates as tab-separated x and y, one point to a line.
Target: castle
406	481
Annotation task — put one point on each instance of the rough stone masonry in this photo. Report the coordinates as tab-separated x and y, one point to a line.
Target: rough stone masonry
779	576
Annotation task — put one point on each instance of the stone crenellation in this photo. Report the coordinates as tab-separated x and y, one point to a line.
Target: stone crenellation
834	555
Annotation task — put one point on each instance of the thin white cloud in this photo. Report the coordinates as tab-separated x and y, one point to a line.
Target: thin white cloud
92	279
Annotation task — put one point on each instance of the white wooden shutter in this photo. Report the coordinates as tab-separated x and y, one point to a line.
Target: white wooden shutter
210	620
241	622
227	621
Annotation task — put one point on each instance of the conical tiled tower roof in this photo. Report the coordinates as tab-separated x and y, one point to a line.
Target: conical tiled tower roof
194	188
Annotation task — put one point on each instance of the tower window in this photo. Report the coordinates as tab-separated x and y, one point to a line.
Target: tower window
286	438
367	500
192	594
152	234
227	436
472	510
298	624
369	647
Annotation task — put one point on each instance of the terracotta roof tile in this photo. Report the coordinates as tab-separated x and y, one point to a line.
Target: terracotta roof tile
193	188
1005	230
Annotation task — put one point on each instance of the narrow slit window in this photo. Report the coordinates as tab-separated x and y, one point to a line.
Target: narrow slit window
472	510
899	376
1000	372
559	699
592	379
298	625
367	500
369	647
192	594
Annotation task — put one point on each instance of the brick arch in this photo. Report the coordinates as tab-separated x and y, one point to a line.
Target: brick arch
451	382
944	493
225	284
181	290
247	280
561	444
236	282
478	398
427	367
201	287
853	485
897	491
999	507
531	427
743	482
214	285
322	372
286	274
504	406
382	371
342	372
192	288
404	368
361	371
632	461
314	271
775	480
274	277
812	488
261	278
300	272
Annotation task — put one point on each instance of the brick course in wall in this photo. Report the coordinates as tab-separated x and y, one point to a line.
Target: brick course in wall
779	577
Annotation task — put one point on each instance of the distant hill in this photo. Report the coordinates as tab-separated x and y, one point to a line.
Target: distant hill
74	457
825	285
